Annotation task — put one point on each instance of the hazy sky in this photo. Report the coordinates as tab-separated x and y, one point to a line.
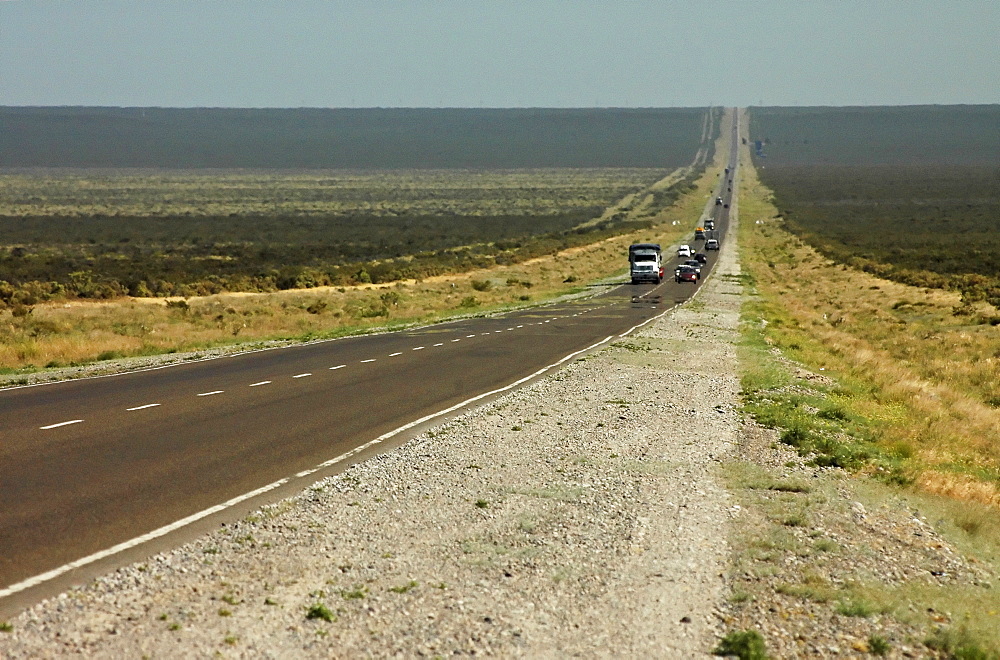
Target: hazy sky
499	53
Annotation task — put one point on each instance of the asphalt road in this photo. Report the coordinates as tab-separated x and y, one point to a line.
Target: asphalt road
88	465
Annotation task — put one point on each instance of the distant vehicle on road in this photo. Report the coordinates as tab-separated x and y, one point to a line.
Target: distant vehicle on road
686	274
684	251
645	262
701	257
718	201
712	244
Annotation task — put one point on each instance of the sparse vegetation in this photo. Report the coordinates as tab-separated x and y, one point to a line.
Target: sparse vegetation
320	611
744	644
403	588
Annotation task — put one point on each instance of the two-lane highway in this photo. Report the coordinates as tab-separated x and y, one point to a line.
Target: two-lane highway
93	465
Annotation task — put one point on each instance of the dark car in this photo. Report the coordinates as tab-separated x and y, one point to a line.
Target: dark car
686	274
701	257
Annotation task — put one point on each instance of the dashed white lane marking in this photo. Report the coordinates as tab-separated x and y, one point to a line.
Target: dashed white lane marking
370	360
394	354
148	405
263	382
441	344
419	348
454	340
53	426
467	336
339	366
183	522
211	393
301	375
520	326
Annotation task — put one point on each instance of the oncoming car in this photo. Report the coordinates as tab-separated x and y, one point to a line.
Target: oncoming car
686	274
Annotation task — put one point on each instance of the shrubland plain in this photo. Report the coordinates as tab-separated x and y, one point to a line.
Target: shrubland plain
386	248
91	235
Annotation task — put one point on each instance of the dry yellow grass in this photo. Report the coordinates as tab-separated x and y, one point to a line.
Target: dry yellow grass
930	377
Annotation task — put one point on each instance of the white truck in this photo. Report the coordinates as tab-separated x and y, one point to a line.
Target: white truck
645	262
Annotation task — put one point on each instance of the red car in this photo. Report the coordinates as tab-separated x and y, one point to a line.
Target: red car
686	274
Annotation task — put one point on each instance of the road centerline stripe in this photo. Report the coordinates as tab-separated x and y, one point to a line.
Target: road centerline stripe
148	405
368	360
395	354
339	366
53	426
263	382
301	375
211	393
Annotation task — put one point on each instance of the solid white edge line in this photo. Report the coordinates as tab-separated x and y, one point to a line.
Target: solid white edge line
126	545
183	522
55	426
211	393
263	382
148	405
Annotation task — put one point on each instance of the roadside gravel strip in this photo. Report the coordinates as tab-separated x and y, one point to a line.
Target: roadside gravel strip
578	515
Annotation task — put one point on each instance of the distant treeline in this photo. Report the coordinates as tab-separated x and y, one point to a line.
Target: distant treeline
890	135
372	138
